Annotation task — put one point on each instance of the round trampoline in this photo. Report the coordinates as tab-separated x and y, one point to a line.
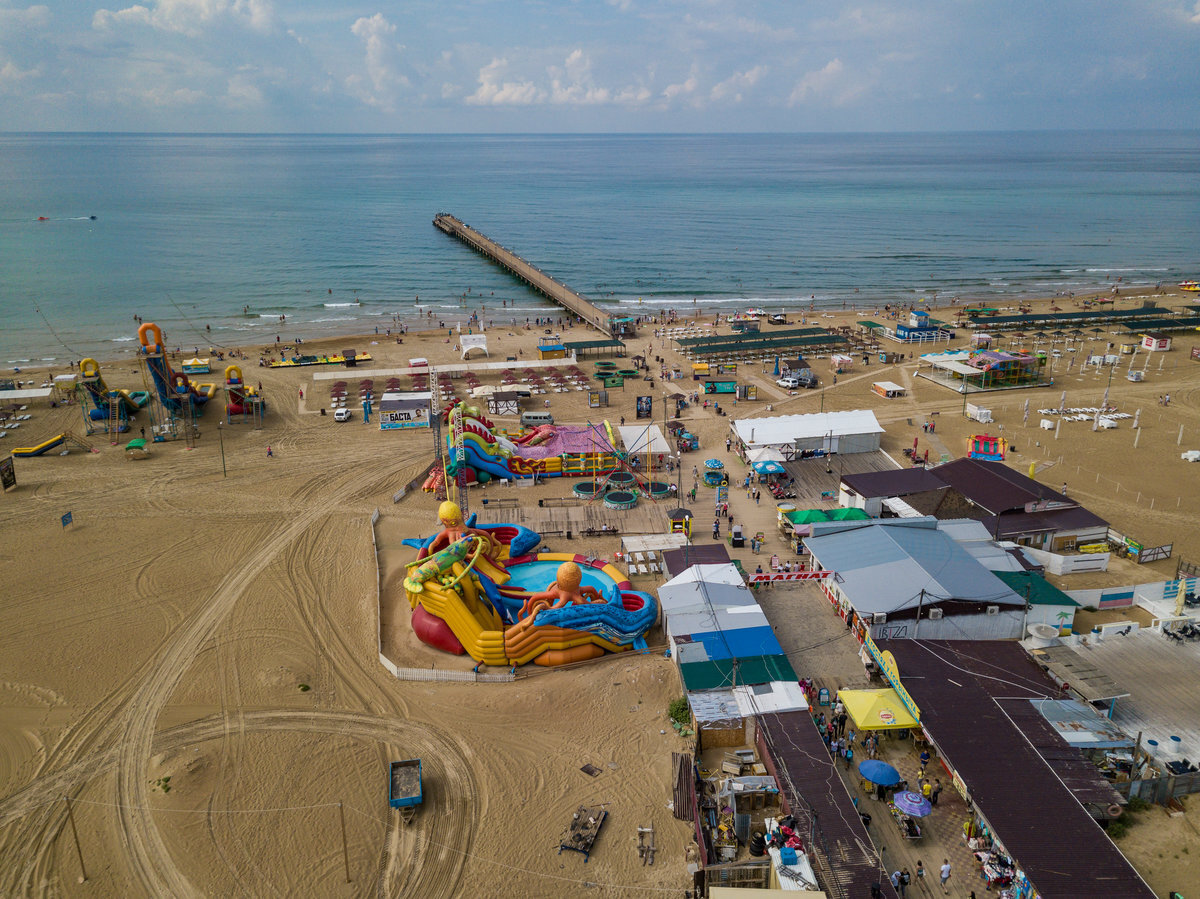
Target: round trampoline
621	480
620	500
588	490
606	365
659	489
628	372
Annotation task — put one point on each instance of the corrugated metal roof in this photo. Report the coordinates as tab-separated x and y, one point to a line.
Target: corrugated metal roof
884	568
801	765
900	482
724	643
783	430
1032	813
680	560
715	707
719	673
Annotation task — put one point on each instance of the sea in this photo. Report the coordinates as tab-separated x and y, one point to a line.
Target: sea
232	240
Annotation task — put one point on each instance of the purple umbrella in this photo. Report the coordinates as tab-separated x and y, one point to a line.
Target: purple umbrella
912	804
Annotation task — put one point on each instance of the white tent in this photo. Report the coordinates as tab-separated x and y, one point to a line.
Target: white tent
764	454
636	438
473	342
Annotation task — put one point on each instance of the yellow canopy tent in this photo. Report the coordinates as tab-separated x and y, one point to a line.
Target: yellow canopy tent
877	709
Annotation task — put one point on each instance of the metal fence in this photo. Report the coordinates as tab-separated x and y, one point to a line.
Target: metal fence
1161	790
452	674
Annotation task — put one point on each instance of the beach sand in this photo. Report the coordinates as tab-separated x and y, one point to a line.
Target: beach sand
168	631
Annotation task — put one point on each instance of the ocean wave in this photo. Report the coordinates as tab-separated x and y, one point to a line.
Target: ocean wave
339	305
122	339
319	321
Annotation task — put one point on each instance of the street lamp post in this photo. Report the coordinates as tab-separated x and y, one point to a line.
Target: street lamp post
221	441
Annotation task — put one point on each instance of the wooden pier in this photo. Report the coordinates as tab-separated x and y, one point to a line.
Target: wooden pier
545	284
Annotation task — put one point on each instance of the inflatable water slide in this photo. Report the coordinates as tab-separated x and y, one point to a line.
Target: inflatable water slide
129	401
171	385
237	391
488	595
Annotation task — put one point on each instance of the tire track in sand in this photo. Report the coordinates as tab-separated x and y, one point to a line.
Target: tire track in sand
148	854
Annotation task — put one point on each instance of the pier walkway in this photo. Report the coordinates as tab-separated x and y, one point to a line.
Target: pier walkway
530	274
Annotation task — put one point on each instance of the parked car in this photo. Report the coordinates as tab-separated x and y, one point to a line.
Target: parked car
342	415
789	382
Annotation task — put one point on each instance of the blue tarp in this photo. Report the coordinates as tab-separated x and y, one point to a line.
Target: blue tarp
746	642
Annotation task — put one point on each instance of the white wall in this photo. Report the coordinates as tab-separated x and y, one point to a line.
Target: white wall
1006	625
1072	564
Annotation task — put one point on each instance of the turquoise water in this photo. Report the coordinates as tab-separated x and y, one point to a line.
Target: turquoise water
537	576
215	237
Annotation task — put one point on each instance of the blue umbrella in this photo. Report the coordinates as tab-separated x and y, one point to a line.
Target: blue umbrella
912	804
878	772
714	464
769	468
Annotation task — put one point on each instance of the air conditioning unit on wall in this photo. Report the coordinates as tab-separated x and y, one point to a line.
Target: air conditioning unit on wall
993	610
879	618
935	614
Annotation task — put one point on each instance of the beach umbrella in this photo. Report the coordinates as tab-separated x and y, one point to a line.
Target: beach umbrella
878	772
912	803
1076	332
714	464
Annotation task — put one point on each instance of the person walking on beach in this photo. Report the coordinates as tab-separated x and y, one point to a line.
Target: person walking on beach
269	453
945	874
933	794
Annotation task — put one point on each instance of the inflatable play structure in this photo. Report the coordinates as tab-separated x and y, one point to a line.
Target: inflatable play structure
483	591
984	446
127	401
173	387
546	451
242	396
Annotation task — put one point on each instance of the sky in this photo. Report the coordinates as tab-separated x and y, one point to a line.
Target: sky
580	66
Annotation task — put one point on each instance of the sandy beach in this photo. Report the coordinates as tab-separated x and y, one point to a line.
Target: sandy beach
194	660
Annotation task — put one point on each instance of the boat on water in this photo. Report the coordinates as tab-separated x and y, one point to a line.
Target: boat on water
1191	286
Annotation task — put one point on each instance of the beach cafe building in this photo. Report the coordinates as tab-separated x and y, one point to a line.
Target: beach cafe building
794	436
905	578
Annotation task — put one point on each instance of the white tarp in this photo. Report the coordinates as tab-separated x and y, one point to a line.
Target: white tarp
764	454
784	430
636	437
652	542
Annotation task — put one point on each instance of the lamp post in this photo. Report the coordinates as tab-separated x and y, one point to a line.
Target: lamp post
221	441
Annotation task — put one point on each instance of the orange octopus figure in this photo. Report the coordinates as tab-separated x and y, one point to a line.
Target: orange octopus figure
566	590
454	529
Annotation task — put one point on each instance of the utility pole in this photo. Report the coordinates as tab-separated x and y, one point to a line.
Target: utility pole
221	441
920	605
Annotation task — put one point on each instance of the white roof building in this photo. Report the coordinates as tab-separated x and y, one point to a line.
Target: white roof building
855	431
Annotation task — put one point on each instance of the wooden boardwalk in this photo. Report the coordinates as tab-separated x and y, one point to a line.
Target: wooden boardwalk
645	518
532	275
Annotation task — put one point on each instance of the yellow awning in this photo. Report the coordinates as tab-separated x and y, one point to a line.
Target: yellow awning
876	709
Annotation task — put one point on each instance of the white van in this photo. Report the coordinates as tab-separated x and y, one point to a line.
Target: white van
342	414
533	419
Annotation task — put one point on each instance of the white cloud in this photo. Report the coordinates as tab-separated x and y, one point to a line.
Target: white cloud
495	91
11	75
1195	19
30	17
832	85
242	93
572	82
731	88
382	55
682	89
189	17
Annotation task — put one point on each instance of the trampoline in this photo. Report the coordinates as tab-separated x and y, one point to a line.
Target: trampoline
659	489
622	480
587	490
620	500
